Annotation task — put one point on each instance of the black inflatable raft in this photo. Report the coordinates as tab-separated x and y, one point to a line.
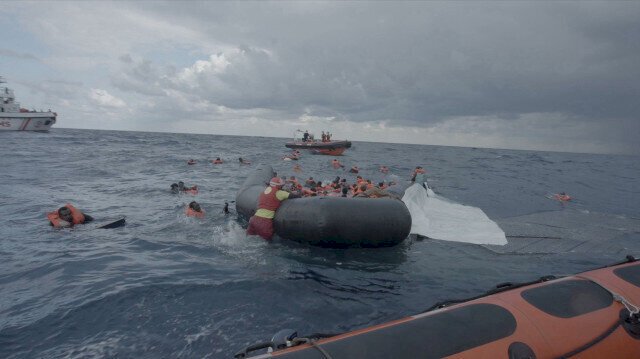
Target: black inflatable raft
330	221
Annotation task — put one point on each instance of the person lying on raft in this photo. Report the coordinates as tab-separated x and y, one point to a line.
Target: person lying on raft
217	161
261	223
375	192
180	188
194	210
67	216
243	161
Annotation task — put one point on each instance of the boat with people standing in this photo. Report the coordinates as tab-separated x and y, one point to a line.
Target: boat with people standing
15	118
326	146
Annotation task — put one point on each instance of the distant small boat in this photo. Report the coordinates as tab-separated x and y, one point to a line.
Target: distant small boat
331	148
14	118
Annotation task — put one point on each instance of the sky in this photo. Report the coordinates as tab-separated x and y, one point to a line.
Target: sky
554	76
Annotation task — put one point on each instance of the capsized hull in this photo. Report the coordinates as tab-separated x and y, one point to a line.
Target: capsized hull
330	221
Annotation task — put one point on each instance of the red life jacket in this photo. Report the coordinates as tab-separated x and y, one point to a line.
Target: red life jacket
191	213
54	218
269	200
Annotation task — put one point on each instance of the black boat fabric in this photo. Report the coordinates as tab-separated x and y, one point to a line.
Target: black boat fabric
630	274
435	336
569	298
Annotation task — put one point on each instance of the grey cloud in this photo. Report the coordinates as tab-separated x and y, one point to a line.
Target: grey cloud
18	55
415	62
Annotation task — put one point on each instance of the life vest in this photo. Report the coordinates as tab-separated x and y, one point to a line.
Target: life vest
191	213
269	201
562	197
192	190
54	218
216	162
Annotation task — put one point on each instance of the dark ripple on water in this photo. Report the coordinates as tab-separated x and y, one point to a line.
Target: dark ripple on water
170	286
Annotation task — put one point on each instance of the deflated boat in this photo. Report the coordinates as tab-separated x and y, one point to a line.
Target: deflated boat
589	315
330	221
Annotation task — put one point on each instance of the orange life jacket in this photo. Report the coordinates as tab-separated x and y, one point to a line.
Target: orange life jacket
54	218
191	213
192	190
562	197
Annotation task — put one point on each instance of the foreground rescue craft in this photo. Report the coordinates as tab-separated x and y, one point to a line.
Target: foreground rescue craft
330	221
589	315
14	118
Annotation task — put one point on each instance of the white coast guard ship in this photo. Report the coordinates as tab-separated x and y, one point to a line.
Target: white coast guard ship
14	118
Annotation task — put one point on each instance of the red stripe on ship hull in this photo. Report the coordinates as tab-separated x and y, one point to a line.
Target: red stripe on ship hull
24	126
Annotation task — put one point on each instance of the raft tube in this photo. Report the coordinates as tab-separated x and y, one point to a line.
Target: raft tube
576	316
329	221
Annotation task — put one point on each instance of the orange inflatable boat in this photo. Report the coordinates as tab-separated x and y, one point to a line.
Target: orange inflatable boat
589	315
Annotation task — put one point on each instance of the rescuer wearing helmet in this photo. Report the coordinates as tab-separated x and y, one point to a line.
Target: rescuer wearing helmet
261	223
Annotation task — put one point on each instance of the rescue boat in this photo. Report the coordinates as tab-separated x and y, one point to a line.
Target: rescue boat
15	118
589	315
331	148
329	221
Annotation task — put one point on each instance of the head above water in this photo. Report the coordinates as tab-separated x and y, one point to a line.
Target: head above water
65	214
276	182
195	206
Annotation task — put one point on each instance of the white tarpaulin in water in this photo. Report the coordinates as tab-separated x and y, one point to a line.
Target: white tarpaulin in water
439	218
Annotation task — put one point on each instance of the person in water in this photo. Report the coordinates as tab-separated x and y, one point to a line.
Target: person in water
243	161
419	176
354	169
217	161
67	216
194	210
336	164
179	187
261	223
191	162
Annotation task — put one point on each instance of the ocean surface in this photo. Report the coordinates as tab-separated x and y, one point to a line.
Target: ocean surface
168	286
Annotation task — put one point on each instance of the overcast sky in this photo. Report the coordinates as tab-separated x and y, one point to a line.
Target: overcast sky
559	76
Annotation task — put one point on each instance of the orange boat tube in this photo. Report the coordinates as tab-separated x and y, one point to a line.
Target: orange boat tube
590	315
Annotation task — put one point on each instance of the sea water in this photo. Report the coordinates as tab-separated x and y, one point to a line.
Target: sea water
168	286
